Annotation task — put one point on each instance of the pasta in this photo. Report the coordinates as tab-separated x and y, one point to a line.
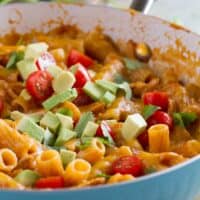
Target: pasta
76	172
8	160
94	152
49	163
159	138
78	110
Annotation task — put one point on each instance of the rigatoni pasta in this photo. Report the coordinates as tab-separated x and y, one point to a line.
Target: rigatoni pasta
8	160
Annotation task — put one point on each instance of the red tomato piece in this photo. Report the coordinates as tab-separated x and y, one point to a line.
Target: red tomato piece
45	60
128	165
82	77
156	98
82	98
143	138
1	106
39	85
160	117
102	126
50	182
77	57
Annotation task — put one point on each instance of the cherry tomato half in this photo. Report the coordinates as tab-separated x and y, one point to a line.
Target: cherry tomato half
156	98
82	77
77	57
50	182
102	126
45	60
160	117
128	165
39	85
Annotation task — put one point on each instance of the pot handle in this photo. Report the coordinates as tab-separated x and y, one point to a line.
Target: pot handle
142	5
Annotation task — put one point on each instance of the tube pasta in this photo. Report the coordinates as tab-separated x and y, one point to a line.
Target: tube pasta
12	139
117	178
77	171
94	152
49	163
8	160
7	182
159	140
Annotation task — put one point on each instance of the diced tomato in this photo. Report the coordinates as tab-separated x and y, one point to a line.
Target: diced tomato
77	57
81	76
50	182
82	98
45	60
143	139
128	165
39	85
160	117
157	99
1	106
102	126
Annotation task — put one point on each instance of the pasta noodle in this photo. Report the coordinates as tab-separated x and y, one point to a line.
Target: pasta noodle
77	171
48	163
8	160
94	152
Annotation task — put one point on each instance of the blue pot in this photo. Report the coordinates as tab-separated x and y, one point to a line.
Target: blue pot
181	182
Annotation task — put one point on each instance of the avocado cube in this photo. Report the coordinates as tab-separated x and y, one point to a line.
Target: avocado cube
26	125
90	129
26	67
66	121
50	121
67	156
64	135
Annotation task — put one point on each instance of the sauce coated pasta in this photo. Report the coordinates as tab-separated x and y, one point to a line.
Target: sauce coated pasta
78	111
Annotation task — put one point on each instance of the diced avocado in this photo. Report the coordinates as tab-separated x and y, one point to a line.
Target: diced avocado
50	121
93	90
37	116
35	50
74	68
63	81
108	97
127	90
66	121
133	126
67	156
26	67
25	95
49	138
16	115
27	177
64	135
65	111
90	129
54	70
108	85
67	95
26	125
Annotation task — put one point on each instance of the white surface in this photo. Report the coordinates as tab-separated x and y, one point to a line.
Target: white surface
186	11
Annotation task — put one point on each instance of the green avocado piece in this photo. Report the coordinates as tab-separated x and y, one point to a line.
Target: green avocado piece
66	121
64	135
49	138
108	97
67	156
63	81
26	67
67	95
26	125
50	121
27	177
93	90
108	85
